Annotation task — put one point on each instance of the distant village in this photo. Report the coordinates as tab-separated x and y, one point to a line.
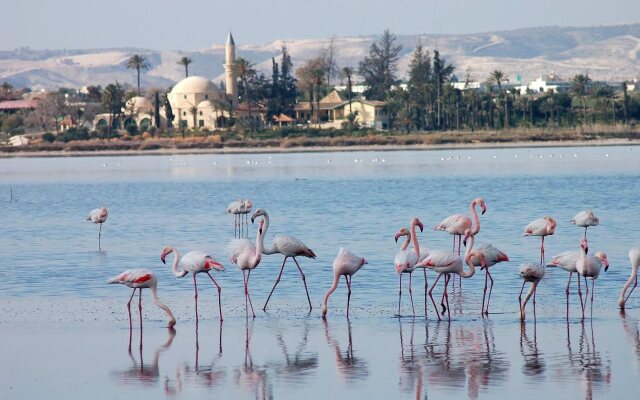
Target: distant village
315	98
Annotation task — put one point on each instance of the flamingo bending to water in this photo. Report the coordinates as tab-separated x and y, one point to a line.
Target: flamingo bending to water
533	273
541	227
585	219
194	262
406	259
98	216
634	257
488	255
457	224
346	263
589	267
246	256
287	246
142	279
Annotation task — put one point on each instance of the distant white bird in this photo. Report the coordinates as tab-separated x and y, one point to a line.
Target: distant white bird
98	216
239	208
634	257
585	219
589	267
541	227
533	273
346	263
140	279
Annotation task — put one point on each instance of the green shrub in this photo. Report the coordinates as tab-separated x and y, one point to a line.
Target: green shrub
48	137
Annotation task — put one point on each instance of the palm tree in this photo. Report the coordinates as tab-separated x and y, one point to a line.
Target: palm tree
497	76
580	87
185	61
138	62
245	71
347	73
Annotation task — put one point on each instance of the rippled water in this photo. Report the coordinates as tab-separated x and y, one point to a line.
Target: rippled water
67	334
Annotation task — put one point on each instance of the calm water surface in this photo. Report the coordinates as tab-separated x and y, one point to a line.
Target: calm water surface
64	332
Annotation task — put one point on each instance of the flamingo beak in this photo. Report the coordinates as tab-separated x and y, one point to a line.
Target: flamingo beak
162	256
464	241
483	263
420	226
484	210
396	237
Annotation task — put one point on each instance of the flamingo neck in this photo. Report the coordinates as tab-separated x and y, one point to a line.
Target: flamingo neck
414	239
336	278
167	310
476	219
259	245
407	240
272	249
467	258
176	260
632	278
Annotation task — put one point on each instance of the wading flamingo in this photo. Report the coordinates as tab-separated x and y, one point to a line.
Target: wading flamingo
245	209
533	273
98	216
541	227
406	259
490	256
194	262
447	263
457	224
287	246
634	257
246	256
589	267
239	208
142	279
585	219
346	263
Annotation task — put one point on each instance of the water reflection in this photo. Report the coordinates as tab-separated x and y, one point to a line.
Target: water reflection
350	367
209	375
300	364
534	365
411	371
250	377
632	330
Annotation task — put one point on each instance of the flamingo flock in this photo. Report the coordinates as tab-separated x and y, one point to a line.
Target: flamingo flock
246	255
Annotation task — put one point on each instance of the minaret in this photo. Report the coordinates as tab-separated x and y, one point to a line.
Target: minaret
229	69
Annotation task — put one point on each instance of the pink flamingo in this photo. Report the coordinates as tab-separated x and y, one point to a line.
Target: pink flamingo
194	262
533	273
447	263
246	256
585	219
346	263
406	260
634	257
245	209
487	255
457	224
541	227
287	246
589	267
142	279
98	216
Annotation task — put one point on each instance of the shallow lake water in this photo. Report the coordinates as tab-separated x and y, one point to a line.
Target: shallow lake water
65	333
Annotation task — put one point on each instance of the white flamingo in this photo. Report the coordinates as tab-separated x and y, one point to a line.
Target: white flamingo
533	273
139	279
246	256
406	259
98	216
289	247
589	267
541	227
585	219
488	255
457	224
346	263
194	262
634	257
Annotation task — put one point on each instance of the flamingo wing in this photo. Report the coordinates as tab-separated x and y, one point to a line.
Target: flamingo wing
405	260
531	272
536	228
455	224
438	260
97	215
290	246
566	260
492	255
347	260
585	218
238	248
134	278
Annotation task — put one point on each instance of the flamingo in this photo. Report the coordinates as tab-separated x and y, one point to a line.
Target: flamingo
589	267
346	263
457	224
490	255
406	260
541	227
447	263
533	273
246	256
194	262
634	257
141	279
287	246
245	208
234	208
585	219
98	216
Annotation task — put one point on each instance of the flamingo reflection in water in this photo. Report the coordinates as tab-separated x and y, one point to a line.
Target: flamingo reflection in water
534	364
632	329
411	370
250	377
299	365
350	368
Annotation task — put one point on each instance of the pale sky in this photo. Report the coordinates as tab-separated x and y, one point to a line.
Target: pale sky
196	24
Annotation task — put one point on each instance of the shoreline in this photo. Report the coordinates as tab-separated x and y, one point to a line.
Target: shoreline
324	149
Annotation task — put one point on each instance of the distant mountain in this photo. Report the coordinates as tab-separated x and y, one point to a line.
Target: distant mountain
605	52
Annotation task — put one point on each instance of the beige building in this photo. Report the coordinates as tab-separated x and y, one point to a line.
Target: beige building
334	110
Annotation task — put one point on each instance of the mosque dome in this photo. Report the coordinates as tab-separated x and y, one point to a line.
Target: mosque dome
206	104
195	84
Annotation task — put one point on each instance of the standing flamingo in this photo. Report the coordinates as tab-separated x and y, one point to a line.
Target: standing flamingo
457	224
533	273
141	279
194	262
488	255
246	256
406	260
346	263
287	246
235	208
98	216
447	263
634	257
541	227
245	209
585	219
589	267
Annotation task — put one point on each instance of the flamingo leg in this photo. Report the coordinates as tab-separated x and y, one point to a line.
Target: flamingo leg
634	286
219	294
447	277
348	279
542	252
431	296
585	231
411	294
484	293
490	290
520	301
129	309
446	297
195	295
426	286
453	246
459	241
99	236
580	294
593	288
399	292
275	284
535	290
140	310
248	295
304	281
